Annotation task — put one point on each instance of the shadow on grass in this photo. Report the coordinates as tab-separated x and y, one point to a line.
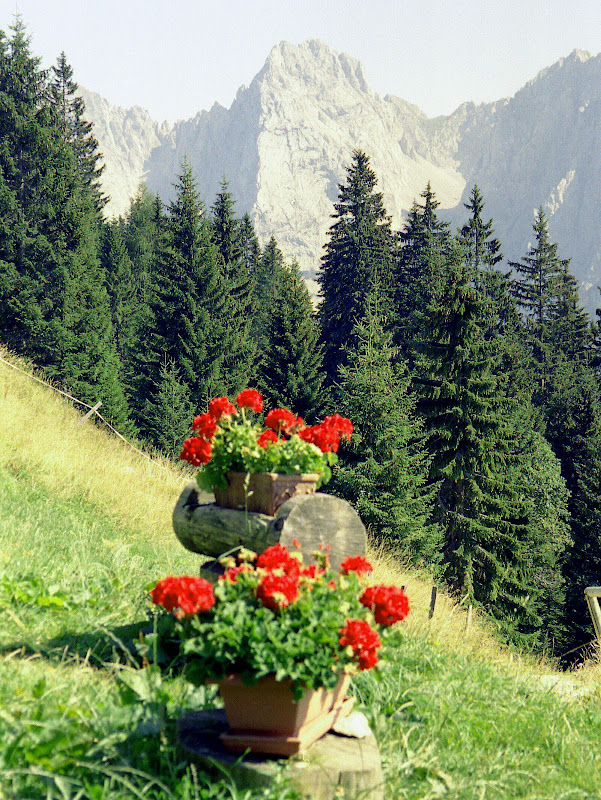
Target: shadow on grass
124	644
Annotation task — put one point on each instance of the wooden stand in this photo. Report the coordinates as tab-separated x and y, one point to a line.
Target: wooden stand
312	520
332	765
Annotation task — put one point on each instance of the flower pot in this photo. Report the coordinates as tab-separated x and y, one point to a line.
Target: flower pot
266	719
263	492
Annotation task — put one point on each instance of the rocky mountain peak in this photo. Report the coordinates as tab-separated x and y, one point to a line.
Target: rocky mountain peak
285	143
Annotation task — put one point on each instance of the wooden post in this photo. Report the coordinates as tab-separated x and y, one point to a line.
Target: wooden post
468	621
592	593
89	414
432	602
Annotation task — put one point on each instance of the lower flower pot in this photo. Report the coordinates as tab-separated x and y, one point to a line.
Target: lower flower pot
263	492
265	718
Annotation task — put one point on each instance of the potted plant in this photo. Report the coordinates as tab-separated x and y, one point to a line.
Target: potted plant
256	466
280	637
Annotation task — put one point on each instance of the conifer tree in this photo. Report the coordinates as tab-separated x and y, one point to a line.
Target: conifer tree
239	344
251	252
360	251
484	522
482	250
169	411
121	289
383	470
269	266
70	109
291	373
573	428
535	290
424	241
185	326
53	303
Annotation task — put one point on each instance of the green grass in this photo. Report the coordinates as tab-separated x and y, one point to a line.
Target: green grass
85	528
82	717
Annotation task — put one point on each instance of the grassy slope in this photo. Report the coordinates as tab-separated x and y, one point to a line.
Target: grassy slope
85	526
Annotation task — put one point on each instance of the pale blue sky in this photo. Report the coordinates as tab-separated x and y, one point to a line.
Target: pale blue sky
176	57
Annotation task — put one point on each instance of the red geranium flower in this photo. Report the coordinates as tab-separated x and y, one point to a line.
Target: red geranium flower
388	603
277	591
364	641
221	406
266	437
281	420
186	594
250	398
311	571
277	557
204	425
342	425
196	451
232	573
357	564
321	436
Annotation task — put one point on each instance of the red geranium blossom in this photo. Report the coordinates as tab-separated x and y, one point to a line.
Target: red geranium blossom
342	425
388	603
221	406
232	573
364	641
266	437
277	557
250	398
281	420
311	571
277	591
204	425
196	451
186	594
327	439
357	564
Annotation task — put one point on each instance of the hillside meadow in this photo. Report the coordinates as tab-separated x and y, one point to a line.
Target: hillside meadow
85	529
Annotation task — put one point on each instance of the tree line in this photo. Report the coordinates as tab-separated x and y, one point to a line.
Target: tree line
474	388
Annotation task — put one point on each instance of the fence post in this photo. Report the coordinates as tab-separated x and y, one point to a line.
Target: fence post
592	593
432	602
89	414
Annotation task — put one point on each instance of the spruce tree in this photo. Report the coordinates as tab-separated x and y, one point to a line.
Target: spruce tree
482	249
169	411
70	109
53	304
486	536
424	241
360	251
239	344
121	289
573	428
383	470
185	320
291	373
269	266
535	290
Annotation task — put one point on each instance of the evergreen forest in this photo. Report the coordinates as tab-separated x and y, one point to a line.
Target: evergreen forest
474	384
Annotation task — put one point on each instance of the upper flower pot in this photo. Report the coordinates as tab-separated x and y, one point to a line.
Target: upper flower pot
258	467
263	492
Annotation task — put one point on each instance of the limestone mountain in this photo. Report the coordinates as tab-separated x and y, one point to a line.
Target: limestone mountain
284	143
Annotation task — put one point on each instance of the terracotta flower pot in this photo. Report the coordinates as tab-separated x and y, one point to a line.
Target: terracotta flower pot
263	492
266	718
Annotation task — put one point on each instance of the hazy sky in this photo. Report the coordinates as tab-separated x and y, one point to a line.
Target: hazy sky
176	57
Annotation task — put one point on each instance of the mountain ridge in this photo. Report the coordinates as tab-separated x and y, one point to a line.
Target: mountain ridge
285	141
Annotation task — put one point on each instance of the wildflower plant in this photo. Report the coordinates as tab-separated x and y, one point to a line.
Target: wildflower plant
271	614
229	437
